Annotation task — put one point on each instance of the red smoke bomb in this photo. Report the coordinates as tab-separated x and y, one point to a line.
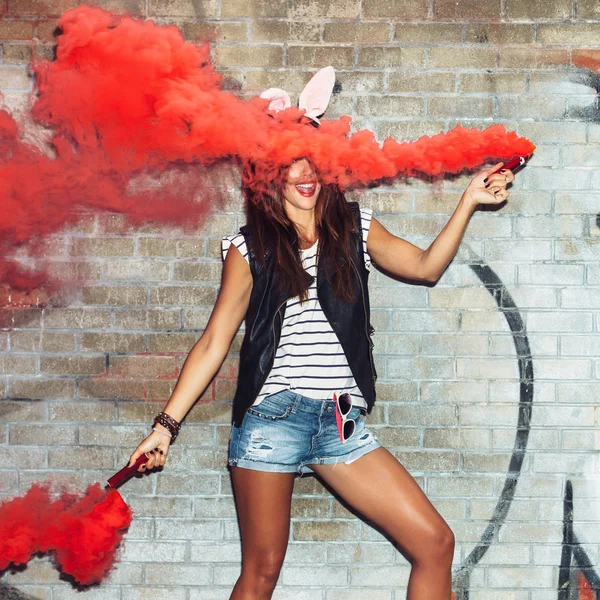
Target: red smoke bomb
512	164
126	472
80	531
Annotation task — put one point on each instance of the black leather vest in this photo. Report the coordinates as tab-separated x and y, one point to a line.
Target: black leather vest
266	310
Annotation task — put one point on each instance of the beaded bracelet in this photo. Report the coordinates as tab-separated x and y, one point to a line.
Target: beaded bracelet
170	419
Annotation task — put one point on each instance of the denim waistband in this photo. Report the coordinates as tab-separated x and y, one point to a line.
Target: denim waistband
301	402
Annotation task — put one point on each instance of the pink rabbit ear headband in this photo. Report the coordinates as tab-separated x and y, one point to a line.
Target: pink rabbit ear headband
314	98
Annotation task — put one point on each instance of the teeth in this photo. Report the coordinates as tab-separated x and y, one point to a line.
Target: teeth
306	186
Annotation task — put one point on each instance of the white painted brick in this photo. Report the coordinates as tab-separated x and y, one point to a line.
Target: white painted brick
551	510
394	344
540	532
532	297
521	577
567	416
520	510
423	415
344	553
546	368
559	321
308	553
550	274
211	552
186	529
580	392
541	345
456	437
518	250
507	554
556	179
14	78
225	574
503	594
539	486
486	225
508	391
580	345
545	554
171	574
493	368
356	593
400	296
528	203
454	344
577	203
579	298
578	439
420	368
581	156
461	275
460	486
477	414
453	391
150	552
537	439
483	321
549	226
563	133
474	462
387	576
460	298
429	320
212	593
154	593
593	274
308	593
329	575
214	507
577	250
566	462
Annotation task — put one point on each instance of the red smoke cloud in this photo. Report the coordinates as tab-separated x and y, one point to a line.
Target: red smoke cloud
81	532
127	100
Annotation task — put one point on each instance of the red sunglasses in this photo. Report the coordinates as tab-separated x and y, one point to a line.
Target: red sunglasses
346	426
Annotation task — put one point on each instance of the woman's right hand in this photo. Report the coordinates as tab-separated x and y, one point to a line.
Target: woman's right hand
155	447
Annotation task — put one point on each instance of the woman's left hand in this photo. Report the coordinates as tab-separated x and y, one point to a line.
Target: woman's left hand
489	189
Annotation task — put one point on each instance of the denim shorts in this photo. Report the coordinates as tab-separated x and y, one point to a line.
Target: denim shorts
288	432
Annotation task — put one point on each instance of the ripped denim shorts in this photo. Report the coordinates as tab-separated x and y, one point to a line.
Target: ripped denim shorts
288	432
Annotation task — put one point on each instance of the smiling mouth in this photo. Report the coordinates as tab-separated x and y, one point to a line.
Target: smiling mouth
306	189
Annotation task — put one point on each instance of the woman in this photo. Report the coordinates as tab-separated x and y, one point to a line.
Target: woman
300	404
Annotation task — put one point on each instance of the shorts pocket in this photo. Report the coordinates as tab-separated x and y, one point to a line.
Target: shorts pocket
273	408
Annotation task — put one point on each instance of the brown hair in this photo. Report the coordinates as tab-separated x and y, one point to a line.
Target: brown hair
271	228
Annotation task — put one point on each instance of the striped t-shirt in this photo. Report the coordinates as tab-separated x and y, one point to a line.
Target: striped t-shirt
309	359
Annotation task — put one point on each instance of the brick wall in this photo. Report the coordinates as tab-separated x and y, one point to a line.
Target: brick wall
488	380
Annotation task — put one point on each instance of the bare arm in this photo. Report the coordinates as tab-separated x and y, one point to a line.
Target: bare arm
207	354
399	257
205	358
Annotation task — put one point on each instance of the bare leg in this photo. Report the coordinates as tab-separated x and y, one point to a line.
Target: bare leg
381	489
263	502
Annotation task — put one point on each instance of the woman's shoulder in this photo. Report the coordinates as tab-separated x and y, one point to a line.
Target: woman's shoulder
236	239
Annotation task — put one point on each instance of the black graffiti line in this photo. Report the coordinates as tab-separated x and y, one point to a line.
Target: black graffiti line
564	573
572	548
511	313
